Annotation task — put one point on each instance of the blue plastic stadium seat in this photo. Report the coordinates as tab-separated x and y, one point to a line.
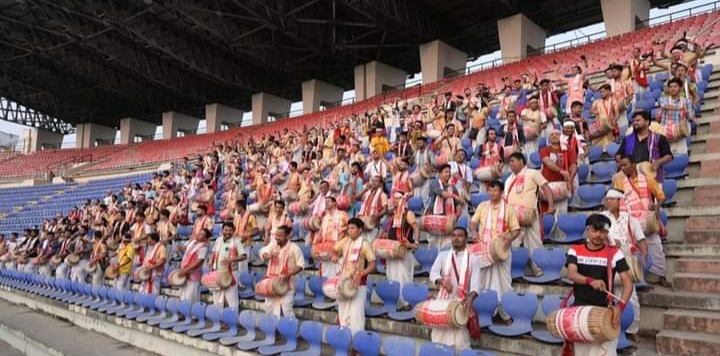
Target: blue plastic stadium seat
316	283
591	196
212	315
573	226
412	293
551	261
477	198
485	305
182	316
389	292
246	280
548	225
596	154
300	299
603	171
535	162
669	187
171	313
312	333
520	257
197	312
367	343
583	171
521	307
229	318
435	349
426	257
675	169
247	321
626	320
288	329
550	304
267	323
339	339
398	346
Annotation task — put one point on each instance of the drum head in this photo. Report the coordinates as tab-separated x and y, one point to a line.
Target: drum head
142	274
91	268
499	250
111	273
460	315
347	289
175	279
224	280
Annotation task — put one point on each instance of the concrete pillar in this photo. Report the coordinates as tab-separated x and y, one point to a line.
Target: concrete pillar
38	139
517	33
90	135
375	77
439	60
264	105
217	115
622	16
174	121
130	127
316	93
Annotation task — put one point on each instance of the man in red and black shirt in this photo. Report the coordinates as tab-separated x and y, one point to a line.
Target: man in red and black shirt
587	267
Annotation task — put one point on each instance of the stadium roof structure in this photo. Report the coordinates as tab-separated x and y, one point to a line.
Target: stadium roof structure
102	60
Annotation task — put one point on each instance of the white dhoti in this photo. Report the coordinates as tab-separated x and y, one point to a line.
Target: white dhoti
351	312
244	265
27	268
122	281
98	278
608	348
329	269
152	285
497	277
77	272
401	270
655	250
44	271
459	338
281	306
227	296
190	291
530	239
62	271
10	266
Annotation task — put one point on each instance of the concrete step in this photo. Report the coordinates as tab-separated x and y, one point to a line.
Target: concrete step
668	298
692	250
696	265
702	223
704	237
685	343
708	196
697	282
692	320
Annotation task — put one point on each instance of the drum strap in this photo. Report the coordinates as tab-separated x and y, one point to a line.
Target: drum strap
632	235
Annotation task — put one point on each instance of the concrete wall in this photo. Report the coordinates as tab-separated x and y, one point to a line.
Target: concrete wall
370	78
620	15
516	33
437	57
130	127
35	139
173	121
217	115
87	134
264	104
316	92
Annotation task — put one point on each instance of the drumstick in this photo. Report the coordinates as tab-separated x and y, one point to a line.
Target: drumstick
614	296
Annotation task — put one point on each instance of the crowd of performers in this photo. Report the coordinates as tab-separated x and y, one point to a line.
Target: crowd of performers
375	186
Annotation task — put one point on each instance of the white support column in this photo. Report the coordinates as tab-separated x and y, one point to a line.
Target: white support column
264	105
375	77
173	122
316	93
38	139
90	135
622	16
439	60
131	127
517	33
217	115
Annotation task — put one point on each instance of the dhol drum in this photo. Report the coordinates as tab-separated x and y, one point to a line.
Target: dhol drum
290	195
323	251
175	279
112	245
441	160
311	223
56	260
258	208
530	131
370	222
216	280
111	272
343	202
559	191
636	267
486	174
675	132
339	288
389	249
38	261
437	224
599	128
90	268
5	257
526	216
225	215
490	253
298	208
650	223
433	134
583	324
141	274
442	313
272	287
72	259
417	179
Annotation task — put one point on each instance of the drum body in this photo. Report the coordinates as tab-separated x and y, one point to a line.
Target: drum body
323	251
311	223
530	131
343	202
441	313
650	223
498	251
389	249
72	259
290	195
91	268
675	132
298	208
175	279
38	261
486	174
111	272
559	191
369	221
441	160
437	224
216	280
433	134
141	274
599	128
526	216
339	288
272	287
583	324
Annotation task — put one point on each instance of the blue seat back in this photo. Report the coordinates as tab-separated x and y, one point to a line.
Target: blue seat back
548	224
399	346
339	338
572	225
367	343
426	256
434	349
669	187
388	291
520	257
591	194
485	304
288	328
213	313
316	283
477	198
551	303
312	332
230	318
184	308
198	310
414	293
521	307
172	306
267	323
247	319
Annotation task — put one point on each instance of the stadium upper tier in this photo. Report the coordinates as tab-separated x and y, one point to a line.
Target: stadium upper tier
598	53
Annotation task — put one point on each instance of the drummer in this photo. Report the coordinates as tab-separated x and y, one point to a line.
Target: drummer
402	228
559	165
126	255
277	217
462	285
500	223
83	248
67	240
226	253
587	268
374	203
155	263
191	265
358	261
332	229
49	247
445	201
97	258
285	260
246	227
626	233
